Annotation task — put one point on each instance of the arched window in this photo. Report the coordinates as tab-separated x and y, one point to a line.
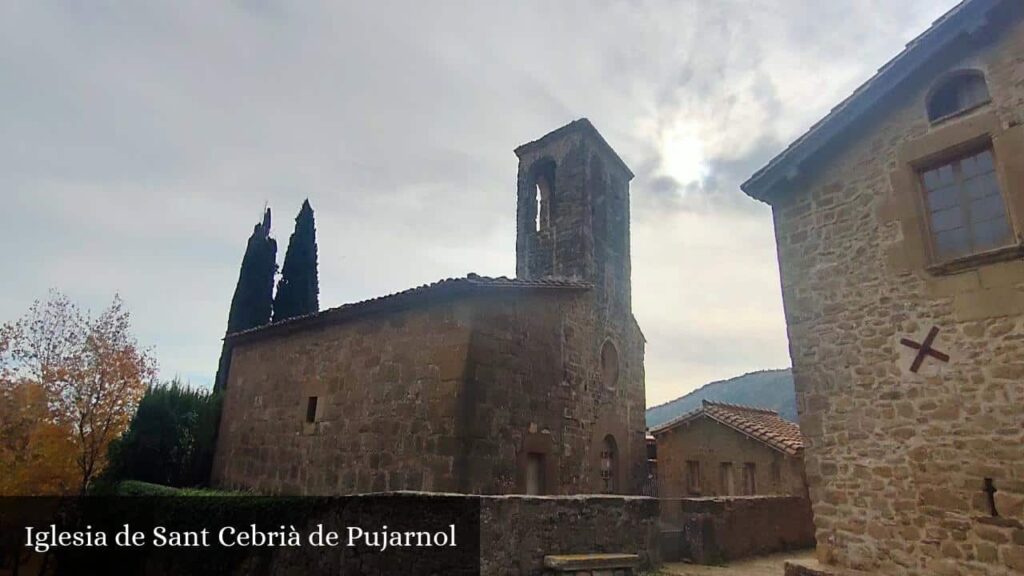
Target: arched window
958	92
609	365
609	464
543	189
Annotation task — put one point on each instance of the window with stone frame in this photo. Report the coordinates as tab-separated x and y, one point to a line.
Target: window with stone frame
693	476
965	206
725	478
749	479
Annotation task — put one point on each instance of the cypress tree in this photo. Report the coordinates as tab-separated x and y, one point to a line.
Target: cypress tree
299	287
254	294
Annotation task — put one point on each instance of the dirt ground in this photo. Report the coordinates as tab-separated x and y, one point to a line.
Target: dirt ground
760	566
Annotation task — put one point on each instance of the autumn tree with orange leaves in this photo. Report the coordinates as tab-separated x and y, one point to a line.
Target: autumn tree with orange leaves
69	384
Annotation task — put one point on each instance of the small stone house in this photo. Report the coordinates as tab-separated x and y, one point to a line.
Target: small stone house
899	221
728	450
532	384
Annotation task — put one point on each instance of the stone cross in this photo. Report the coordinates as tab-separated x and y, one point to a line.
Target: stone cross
924	349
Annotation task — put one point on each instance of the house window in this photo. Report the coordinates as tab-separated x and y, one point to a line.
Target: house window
749	479
609	365
535	481
609	464
959	92
726	479
693	476
966	208
311	409
777	474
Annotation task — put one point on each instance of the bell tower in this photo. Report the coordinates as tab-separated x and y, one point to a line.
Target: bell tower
572	216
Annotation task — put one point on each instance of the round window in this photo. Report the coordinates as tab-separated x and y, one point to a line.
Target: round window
609	365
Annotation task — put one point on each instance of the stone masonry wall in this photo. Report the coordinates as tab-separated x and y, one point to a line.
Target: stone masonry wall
712	444
535	386
387	388
492	535
443	397
516	532
717	530
897	461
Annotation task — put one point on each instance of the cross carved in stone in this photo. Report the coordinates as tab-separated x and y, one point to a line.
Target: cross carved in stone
924	349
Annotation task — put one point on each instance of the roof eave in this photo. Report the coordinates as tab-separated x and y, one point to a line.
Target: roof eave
966	17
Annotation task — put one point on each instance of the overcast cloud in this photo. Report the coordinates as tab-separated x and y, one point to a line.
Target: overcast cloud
140	142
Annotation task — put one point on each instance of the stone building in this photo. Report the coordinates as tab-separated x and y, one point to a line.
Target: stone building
472	385
728	450
899	221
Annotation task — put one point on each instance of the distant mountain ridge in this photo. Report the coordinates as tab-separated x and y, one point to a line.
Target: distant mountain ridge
772	389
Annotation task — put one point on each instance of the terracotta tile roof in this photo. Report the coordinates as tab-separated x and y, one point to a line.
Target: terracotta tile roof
758	423
445	288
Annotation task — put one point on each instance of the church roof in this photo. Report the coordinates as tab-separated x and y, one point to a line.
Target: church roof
964	18
427	293
581	125
758	423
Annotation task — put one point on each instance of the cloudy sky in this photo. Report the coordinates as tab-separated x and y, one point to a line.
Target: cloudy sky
140	142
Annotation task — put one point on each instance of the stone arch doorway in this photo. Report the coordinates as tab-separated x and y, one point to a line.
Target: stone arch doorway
610	465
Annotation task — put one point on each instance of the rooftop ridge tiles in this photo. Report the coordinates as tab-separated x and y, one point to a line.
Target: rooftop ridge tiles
470	280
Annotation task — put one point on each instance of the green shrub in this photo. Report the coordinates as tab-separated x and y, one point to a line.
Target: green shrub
138	488
170	440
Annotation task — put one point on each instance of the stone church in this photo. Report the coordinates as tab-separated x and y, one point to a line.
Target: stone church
473	385
899	220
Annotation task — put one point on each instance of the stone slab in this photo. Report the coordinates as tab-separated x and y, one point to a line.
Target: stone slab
578	562
812	567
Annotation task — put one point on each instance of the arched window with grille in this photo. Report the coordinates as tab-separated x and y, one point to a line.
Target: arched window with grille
958	92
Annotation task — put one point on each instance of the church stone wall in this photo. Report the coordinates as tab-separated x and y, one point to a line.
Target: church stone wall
387	388
449	397
536	386
897	461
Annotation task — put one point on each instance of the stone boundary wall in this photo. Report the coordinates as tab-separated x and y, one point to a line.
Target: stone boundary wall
717	530
496	535
516	532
